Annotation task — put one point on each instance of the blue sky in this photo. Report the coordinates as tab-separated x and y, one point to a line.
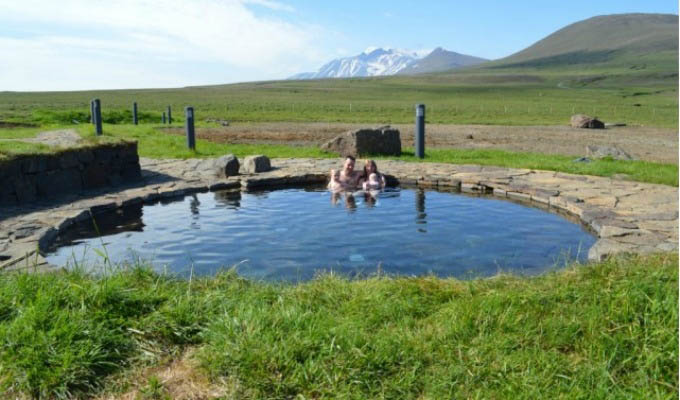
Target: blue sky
102	44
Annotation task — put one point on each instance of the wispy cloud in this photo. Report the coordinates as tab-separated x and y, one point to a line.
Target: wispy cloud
274	5
142	43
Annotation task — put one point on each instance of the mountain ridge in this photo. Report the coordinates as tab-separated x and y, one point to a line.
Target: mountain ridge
441	59
382	62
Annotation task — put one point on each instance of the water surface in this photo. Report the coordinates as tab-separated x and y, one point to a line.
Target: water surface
291	234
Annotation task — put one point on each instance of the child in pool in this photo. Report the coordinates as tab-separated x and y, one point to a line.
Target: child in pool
334	183
372	179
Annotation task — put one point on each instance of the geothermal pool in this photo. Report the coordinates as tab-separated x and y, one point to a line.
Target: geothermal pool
293	234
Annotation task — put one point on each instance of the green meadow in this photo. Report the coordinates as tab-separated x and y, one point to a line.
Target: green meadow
605	330
528	96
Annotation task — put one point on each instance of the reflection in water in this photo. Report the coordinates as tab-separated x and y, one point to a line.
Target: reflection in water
370	198
348	199
350	202
193	205
421	215
292	234
127	219
231	199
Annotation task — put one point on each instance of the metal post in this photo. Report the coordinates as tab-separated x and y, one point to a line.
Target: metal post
420	130
92	112
169	115
98	117
134	113
163	118
189	127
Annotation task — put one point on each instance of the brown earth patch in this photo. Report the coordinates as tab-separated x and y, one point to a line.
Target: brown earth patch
178	379
644	143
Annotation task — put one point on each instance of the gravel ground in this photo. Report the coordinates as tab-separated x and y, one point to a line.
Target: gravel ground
651	144
58	138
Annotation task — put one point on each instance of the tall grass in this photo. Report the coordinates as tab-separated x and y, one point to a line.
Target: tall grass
607	330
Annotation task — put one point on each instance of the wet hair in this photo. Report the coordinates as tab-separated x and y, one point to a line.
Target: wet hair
364	176
350	158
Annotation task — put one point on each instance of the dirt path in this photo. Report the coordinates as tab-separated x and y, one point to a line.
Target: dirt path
652	144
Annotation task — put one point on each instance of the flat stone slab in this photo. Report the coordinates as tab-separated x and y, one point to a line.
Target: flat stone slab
626	216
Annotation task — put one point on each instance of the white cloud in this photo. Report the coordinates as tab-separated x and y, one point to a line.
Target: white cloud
145	43
274	5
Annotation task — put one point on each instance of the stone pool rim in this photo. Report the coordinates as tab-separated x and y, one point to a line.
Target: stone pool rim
616	232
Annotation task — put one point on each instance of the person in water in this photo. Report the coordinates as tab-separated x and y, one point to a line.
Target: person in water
347	179
371	179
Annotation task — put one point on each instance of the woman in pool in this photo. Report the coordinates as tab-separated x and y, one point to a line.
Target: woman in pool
371	179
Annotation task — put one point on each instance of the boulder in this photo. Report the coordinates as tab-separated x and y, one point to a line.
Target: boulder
223	167
594	151
383	140
255	164
584	121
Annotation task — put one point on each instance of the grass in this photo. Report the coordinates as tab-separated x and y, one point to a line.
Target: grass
509	96
153	143
641	171
607	330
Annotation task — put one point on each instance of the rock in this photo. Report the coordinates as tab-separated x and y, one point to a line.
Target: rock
255	164
34	164
218	121
24	188
469	136
604	248
131	172
614	152
68	159
383	140
59	182
94	176
584	121
225	166
582	160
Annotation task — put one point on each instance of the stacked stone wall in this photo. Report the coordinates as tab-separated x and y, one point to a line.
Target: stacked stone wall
44	176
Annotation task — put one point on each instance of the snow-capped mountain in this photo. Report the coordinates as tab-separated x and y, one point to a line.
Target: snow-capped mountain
372	62
378	61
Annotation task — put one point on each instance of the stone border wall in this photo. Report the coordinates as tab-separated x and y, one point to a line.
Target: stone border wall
627	217
27	178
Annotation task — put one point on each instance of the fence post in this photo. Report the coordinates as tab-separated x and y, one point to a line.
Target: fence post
169	115
189	127
134	113
98	116
163	118
92	119
420	130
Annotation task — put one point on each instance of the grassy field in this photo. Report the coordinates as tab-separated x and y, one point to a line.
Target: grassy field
153	143
520	96
606	330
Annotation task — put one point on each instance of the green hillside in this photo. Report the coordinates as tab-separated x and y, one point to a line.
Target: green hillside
609	39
